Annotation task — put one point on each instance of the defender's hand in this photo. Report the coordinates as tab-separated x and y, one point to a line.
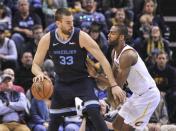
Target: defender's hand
118	93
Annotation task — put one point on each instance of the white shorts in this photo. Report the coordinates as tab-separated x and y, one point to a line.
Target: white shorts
137	110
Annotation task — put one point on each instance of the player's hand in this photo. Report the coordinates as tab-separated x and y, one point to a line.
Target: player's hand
40	77
91	69
118	93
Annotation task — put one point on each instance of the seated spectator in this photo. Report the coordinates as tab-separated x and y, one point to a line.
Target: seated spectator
39	115
8	74
37	34
8	52
149	47
22	24
110	7
13	107
156	19
76	7
97	35
85	18
49	7
5	16
164	76
120	18
23	75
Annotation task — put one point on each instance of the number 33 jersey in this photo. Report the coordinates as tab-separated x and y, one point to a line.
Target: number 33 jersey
69	58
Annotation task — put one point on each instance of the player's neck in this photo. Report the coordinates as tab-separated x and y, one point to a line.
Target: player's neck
62	36
120	47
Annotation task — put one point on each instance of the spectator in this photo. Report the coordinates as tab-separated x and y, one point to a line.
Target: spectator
97	35
155	44
130	38
36	6
84	18
37	34
23	73
113	4
23	22
150	9
150	44
8	74
13	106
120	17
5	16
111	7
39	115
164	76
8	52
49	7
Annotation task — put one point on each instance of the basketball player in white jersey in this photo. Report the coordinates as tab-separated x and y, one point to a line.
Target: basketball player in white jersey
136	110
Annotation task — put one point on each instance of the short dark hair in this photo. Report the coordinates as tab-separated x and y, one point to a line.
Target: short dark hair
122	30
161	52
61	12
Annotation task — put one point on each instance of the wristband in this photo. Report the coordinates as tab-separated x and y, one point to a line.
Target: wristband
113	86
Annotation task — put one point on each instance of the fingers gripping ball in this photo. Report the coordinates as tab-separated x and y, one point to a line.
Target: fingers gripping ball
42	90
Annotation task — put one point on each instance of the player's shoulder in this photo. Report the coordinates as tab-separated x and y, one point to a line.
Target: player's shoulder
129	55
130	52
46	36
84	36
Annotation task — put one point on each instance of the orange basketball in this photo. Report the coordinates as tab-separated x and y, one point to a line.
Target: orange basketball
42	90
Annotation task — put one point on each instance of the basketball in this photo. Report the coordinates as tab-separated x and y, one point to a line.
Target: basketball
42	90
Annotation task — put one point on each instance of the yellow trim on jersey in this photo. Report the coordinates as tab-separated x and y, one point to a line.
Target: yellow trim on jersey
143	114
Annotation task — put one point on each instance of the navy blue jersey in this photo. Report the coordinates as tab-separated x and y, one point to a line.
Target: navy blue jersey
69	58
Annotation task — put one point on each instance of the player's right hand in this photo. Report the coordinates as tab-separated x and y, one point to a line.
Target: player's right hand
118	93
40	77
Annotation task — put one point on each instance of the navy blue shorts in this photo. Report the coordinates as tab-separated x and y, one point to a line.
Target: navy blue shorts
63	100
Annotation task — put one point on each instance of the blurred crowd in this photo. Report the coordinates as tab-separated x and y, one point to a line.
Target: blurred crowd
24	22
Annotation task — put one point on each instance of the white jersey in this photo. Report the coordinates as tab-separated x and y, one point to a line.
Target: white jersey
139	79
139	107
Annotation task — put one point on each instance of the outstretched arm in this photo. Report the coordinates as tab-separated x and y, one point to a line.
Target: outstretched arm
90	45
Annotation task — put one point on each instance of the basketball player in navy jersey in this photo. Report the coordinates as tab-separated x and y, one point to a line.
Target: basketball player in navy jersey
68	48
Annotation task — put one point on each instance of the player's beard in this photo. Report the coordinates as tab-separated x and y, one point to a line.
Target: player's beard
114	43
66	32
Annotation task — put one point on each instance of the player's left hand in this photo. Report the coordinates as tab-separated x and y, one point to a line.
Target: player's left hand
91	69
118	93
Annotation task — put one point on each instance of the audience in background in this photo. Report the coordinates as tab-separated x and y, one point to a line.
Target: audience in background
164	76
13	108
23	74
24	22
8	52
7	78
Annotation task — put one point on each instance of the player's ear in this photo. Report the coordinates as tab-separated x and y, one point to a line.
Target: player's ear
58	23
121	37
